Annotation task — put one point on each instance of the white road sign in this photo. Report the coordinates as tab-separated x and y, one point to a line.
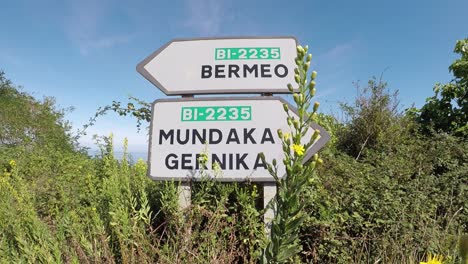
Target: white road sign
229	65
232	131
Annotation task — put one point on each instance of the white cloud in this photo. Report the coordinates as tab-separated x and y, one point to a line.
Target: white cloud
336	60
205	16
335	71
84	26
326	92
338	54
89	45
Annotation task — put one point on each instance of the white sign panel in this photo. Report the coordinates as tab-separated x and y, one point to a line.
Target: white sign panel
230	65
232	131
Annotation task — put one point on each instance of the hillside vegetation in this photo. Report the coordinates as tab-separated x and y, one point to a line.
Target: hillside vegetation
393	188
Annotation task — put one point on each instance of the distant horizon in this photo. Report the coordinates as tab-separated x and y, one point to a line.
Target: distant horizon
134	156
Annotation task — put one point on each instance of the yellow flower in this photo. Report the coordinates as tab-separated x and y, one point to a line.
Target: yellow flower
436	259
286	136
299	149
254	191
12	163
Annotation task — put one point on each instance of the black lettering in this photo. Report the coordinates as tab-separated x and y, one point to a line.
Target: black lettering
232	136
186	162
215	159
240	160
259	163
231	160
265	70
206	71
267	136
233	69
187	137
201	138
173	164
250	70
219	71
169	135
212	132
248	135
197	164
277	70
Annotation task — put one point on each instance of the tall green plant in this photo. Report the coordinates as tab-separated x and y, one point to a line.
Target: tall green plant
447	110
373	119
284	244
26	121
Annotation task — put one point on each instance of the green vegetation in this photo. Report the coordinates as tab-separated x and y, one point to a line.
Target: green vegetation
284	243
392	188
447	110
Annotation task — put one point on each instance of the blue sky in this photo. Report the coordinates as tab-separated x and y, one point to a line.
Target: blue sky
84	52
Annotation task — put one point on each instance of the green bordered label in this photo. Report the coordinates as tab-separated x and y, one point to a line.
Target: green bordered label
216	113
270	53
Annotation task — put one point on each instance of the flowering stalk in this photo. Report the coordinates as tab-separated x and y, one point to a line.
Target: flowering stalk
284	244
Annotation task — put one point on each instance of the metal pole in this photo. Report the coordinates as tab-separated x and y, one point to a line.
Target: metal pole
185	195
269	192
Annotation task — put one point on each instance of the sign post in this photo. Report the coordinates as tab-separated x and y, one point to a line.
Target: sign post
269	192
228	65
185	195
232	131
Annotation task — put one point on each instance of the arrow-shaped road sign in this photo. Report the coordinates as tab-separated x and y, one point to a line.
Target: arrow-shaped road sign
224	65
232	131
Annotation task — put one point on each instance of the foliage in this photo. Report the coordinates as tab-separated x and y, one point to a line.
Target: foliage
136	108
26	121
59	205
386	192
390	206
447	109
284	243
373	118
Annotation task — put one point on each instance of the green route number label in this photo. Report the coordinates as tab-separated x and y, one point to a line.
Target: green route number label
247	53
216	113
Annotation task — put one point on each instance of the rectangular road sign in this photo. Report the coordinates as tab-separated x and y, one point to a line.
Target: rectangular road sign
222	65
232	131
